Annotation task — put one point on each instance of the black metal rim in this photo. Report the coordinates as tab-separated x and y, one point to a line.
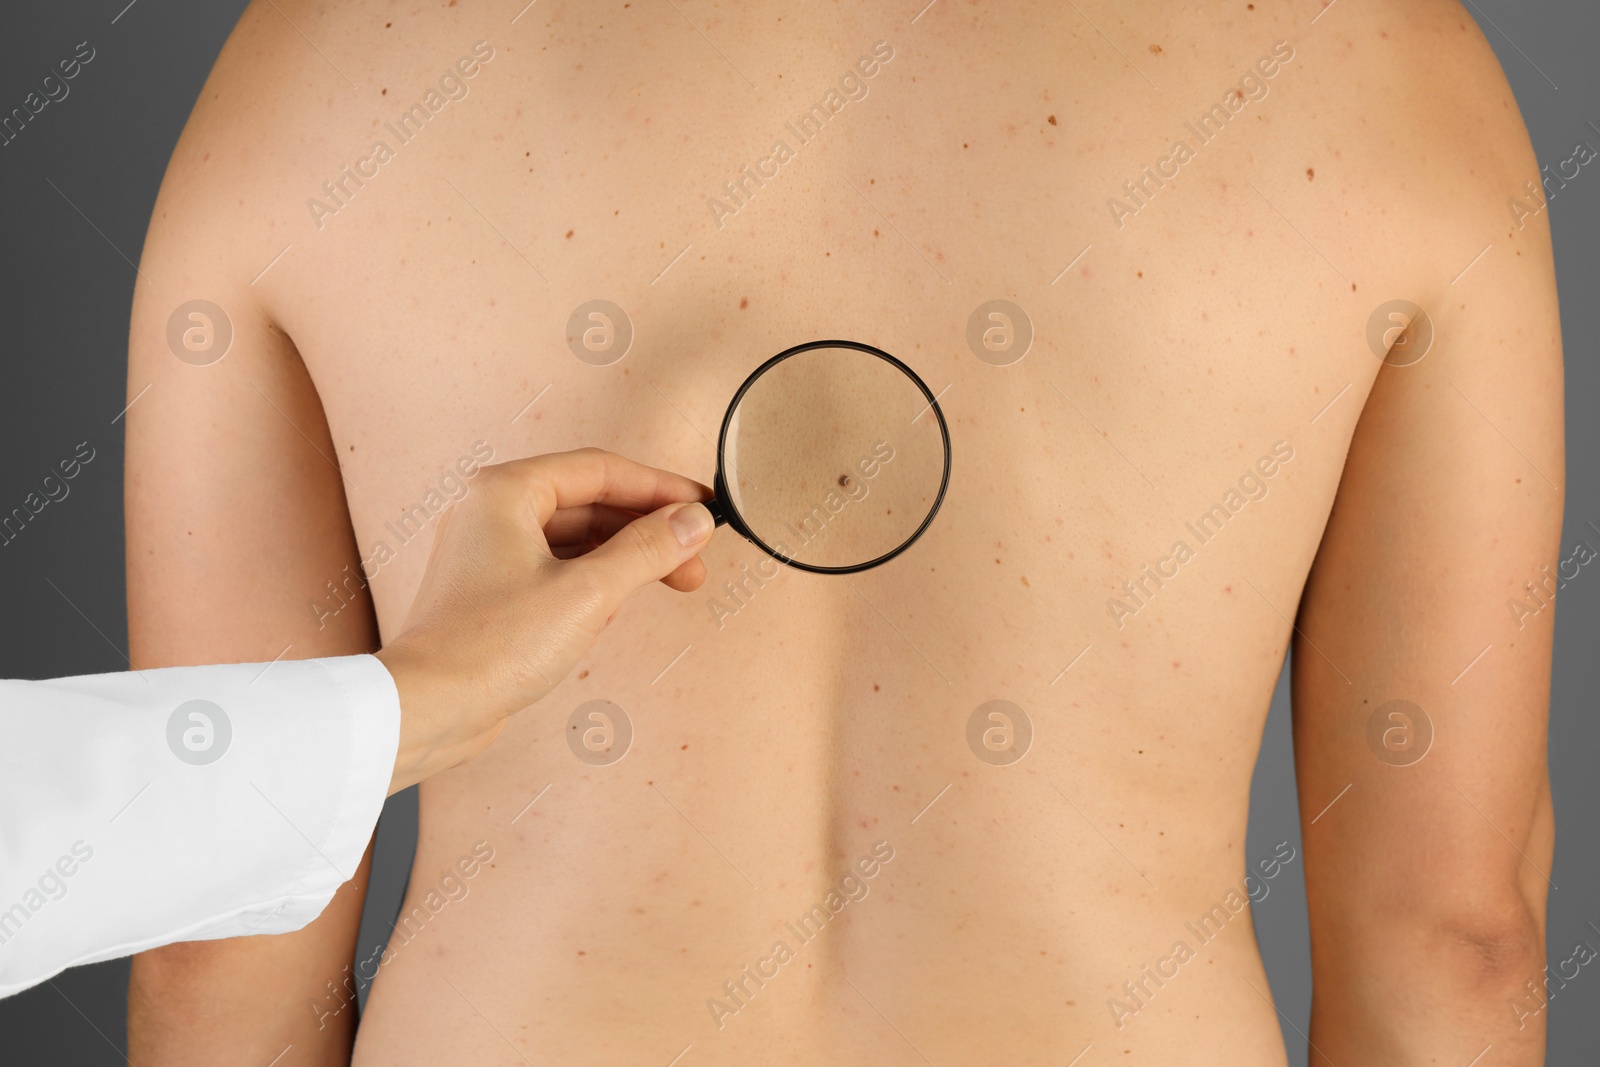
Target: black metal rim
720	483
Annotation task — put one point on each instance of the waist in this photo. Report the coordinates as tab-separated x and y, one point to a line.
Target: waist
990	918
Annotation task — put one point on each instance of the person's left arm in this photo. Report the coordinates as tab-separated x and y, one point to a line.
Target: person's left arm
1421	669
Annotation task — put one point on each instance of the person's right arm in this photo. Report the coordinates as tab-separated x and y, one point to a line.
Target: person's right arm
235	517
234	799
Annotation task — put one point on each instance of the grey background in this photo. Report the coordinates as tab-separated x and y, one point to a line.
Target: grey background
66	284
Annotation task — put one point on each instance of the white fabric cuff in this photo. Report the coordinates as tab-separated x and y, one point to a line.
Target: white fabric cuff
183	804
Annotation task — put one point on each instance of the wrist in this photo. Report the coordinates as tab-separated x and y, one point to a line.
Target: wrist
417	756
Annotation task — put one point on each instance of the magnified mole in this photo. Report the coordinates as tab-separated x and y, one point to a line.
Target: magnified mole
844	479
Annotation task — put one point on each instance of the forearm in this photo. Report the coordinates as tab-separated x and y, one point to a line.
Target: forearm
246	1000
235	522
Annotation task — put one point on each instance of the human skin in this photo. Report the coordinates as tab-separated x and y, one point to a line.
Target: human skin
524	575
774	746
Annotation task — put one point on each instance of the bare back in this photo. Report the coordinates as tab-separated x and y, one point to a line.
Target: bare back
1138	269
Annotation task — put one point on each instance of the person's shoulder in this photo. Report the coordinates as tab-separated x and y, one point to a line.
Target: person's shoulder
290	87
1426	149
1421	77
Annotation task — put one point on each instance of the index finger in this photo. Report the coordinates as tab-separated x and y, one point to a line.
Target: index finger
561	480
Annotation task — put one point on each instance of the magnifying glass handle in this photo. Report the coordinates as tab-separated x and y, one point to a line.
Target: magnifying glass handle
717	512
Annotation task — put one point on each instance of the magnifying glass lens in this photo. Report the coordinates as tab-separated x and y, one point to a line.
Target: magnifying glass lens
834	458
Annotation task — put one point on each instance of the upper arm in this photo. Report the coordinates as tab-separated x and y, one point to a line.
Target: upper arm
1436	848
236	520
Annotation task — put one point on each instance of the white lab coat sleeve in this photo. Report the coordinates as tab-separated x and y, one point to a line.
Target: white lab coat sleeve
183	804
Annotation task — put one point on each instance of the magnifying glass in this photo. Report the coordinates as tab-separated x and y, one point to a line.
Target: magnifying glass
833	458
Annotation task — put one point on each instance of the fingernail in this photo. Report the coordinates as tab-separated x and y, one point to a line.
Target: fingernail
691	523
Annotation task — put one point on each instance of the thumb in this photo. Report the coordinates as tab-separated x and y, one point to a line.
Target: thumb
650	547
